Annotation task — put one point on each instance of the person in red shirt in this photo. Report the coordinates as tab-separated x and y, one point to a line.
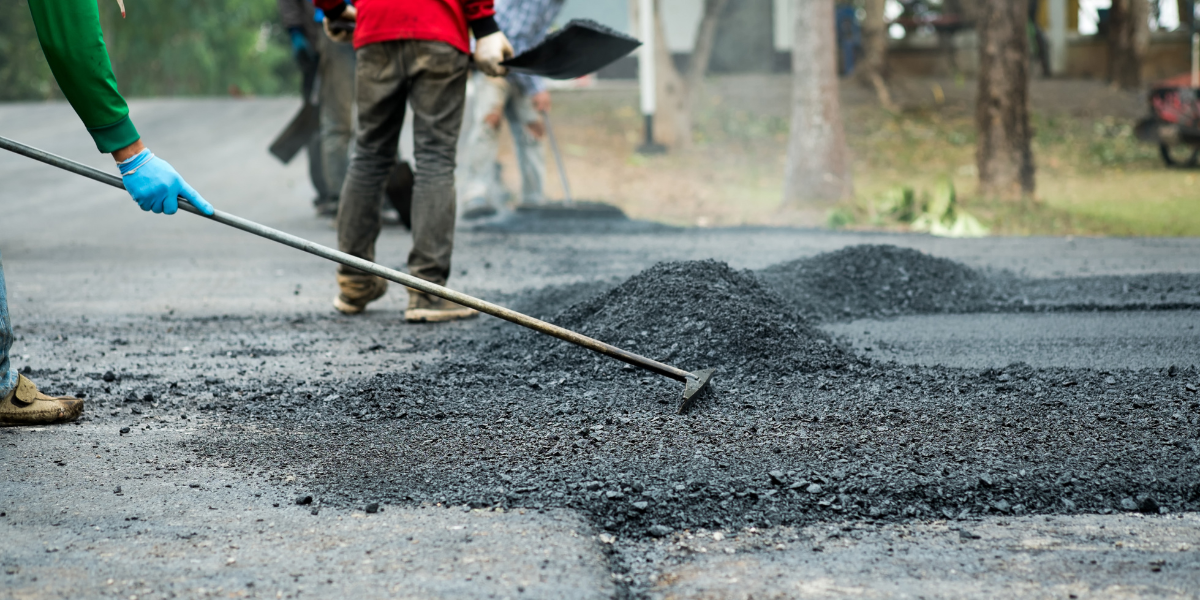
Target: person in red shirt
413	53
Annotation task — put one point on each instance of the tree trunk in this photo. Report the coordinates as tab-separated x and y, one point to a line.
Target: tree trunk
668	87
1003	153
1128	38
693	87
874	63
818	166
967	10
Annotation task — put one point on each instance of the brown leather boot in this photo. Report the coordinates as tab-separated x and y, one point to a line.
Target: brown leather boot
357	291
25	405
425	308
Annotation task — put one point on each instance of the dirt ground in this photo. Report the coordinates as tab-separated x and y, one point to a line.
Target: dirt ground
1093	176
242	440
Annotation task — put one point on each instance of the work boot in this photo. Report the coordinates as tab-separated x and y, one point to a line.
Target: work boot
326	206
424	308
25	405
357	291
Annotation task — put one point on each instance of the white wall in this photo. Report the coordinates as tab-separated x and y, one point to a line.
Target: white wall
681	18
613	13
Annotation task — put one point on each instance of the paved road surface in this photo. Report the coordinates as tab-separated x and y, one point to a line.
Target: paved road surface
80	258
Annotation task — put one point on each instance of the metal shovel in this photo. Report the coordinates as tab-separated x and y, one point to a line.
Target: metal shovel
693	382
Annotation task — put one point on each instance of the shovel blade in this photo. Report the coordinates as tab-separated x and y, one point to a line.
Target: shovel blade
580	48
693	387
297	134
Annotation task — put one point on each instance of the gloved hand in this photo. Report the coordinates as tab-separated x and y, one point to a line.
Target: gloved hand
301	49
155	185
339	30
490	51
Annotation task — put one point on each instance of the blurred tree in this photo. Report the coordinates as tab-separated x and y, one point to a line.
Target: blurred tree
24	74
1003	153
679	93
1185	10
1128	39
967	10
818	162
872	70
164	48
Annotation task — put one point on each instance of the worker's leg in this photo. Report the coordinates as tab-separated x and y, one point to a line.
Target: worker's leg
8	375
531	156
337	109
381	89
20	401
316	169
439	87
439	82
478	145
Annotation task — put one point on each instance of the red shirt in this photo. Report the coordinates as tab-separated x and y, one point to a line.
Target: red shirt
435	20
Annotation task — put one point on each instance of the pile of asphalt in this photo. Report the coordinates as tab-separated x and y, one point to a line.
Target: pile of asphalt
696	315
879	281
794	430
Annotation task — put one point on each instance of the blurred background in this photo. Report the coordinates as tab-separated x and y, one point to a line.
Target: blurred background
735	95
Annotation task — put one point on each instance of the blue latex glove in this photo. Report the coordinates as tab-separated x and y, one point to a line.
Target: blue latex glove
300	46
155	185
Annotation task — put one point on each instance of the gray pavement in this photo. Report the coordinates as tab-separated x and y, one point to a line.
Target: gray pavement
97	285
1096	340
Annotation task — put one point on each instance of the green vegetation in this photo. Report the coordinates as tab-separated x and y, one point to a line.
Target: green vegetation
1093	176
164	48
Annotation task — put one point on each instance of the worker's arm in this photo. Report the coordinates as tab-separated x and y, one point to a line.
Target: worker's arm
491	45
69	31
70	35
481	16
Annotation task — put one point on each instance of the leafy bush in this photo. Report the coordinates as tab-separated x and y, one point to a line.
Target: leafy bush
164	48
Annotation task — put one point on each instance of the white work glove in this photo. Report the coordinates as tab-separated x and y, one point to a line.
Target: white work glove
491	50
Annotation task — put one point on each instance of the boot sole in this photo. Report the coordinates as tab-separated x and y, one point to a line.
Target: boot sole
346	308
353	309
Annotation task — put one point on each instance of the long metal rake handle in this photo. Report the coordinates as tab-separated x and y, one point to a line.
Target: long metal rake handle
300	243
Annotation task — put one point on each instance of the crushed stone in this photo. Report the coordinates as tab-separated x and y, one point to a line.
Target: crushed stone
878	281
794	430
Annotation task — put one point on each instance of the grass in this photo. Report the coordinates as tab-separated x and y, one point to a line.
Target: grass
1093	176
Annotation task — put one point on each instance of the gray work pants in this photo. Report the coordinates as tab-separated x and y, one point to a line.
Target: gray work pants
337	108
480	142
431	77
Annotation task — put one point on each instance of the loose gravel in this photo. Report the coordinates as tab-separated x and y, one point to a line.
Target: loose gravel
795	429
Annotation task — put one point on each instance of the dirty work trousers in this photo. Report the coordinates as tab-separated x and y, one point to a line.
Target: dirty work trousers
336	99
8	376
316	170
431	77
480	143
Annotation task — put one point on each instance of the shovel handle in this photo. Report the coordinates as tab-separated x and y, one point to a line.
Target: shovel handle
405	279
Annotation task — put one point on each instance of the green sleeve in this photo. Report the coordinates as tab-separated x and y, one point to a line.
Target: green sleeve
70	35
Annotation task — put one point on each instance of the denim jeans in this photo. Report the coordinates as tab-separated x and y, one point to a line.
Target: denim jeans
480	143
431	77
8	376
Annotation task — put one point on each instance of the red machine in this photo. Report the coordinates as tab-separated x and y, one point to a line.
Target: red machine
1174	122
